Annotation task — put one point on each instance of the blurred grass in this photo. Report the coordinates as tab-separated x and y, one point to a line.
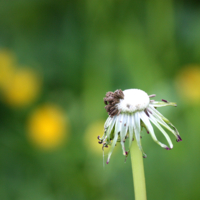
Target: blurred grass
76	51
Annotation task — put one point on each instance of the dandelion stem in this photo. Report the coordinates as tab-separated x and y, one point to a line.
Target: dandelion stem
138	172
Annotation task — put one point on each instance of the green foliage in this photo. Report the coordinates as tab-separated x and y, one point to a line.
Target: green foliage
81	50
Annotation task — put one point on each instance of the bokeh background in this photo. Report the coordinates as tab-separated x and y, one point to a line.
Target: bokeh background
57	61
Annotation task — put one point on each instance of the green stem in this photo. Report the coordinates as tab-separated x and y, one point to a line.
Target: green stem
138	172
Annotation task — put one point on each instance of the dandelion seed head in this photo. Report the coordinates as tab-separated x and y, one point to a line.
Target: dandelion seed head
129	111
134	100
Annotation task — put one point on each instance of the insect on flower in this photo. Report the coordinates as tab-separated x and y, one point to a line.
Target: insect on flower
129	110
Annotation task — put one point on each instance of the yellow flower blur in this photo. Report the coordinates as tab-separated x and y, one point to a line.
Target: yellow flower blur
47	127
91	141
7	68
188	83
23	88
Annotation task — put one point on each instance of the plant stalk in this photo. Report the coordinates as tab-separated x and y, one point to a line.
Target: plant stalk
138	172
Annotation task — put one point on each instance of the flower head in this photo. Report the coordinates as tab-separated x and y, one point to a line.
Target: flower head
23	87
48	127
93	147
188	83
129	111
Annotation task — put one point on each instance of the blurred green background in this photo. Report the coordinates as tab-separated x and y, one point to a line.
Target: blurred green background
57	61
